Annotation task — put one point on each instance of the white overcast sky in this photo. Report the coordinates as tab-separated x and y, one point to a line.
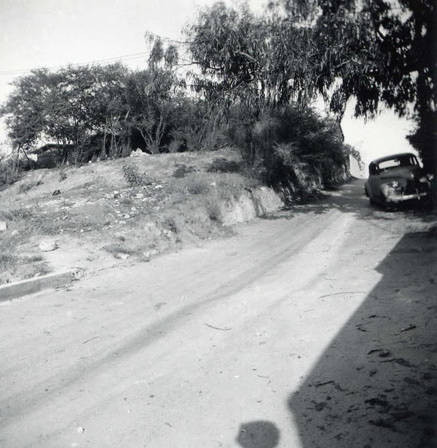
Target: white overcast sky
37	33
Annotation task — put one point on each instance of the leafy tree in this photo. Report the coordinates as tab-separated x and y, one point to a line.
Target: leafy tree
379	52
150	101
24	109
68	106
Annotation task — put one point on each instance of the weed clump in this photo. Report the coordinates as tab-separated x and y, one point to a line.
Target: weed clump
182	170
222	165
134	178
197	186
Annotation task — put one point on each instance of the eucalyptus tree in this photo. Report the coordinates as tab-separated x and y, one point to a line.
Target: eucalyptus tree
380	52
259	60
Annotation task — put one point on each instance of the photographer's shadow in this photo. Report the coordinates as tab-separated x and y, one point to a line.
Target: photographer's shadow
258	434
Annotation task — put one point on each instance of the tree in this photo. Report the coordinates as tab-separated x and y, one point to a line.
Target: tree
68	106
379	52
262	61
150	101
24	109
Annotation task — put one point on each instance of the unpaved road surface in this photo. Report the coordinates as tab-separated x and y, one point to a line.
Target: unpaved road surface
315	328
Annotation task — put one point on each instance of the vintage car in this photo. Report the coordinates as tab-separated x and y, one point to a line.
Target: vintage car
397	178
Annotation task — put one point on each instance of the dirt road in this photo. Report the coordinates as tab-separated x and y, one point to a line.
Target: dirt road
314	328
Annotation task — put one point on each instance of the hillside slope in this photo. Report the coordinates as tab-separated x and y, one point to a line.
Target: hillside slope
124	210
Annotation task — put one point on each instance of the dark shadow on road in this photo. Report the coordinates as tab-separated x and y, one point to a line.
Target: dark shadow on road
375	386
259	434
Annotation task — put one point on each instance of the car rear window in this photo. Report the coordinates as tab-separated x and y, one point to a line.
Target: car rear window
396	162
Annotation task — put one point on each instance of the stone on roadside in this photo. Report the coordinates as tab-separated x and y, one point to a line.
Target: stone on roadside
48	245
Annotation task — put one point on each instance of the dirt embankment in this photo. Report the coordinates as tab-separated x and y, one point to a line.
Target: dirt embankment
103	214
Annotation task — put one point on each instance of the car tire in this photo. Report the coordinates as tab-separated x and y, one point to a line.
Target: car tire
426	204
372	201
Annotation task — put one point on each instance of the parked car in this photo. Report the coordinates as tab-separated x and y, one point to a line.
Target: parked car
397	178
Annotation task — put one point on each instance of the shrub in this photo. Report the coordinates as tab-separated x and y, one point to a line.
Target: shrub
222	165
182	170
196	185
292	149
134	178
9	171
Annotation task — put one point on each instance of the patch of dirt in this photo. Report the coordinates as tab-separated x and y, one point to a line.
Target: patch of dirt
125	210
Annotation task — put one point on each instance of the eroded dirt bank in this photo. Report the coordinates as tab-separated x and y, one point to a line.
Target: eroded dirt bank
315	328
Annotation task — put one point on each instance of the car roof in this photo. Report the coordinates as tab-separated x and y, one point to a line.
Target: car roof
393	156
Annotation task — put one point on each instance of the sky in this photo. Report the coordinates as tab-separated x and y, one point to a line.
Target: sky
52	33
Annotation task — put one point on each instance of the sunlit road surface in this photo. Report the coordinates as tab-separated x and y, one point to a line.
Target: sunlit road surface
313	328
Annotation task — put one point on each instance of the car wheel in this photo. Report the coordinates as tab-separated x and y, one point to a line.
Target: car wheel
372	201
426	204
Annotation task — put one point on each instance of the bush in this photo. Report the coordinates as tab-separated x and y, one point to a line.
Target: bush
196	185
9	171
222	165
182	170
292	149
134	178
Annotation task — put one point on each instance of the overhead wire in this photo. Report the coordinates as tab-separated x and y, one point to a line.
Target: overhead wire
124	57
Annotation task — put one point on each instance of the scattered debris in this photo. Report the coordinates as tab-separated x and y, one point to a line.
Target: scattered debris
324	383
159	305
383	423
91	339
410	327
48	245
320	406
336	385
382	353
401	361
218	328
377	402
401	415
342	293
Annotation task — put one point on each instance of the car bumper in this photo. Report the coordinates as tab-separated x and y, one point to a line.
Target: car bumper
396	198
